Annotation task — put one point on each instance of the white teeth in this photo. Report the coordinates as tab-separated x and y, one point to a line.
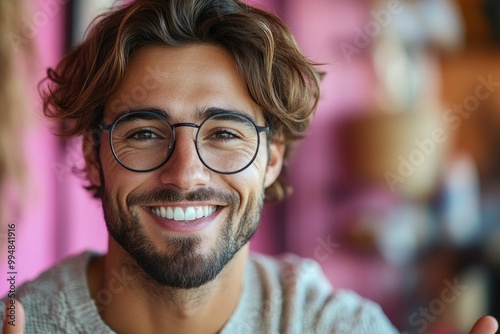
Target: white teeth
184	214
190	213
199	212
178	214
170	213
211	210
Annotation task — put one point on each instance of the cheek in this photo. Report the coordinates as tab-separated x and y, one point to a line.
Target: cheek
119	182
110	167
249	181
259	166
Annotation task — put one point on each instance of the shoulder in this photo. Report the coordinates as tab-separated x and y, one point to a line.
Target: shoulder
308	301
66	275
290	274
50	299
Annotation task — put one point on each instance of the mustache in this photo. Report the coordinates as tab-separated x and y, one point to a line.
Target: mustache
174	196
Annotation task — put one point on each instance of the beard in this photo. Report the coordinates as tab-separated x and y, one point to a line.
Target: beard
182	266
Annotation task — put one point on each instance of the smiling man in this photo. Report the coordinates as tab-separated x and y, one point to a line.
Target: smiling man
184	175
188	109
182	183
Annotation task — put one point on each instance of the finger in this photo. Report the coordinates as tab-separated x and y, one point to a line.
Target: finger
14	317
485	325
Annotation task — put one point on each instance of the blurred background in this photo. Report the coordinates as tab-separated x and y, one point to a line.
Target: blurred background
397	185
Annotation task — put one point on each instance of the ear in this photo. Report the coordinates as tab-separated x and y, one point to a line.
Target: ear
92	162
276	153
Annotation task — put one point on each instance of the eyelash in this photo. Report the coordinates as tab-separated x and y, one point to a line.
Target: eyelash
136	135
217	135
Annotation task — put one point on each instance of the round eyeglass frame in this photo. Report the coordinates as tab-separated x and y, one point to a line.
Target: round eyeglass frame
110	128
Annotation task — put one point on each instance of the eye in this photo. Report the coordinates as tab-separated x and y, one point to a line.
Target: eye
223	135
144	135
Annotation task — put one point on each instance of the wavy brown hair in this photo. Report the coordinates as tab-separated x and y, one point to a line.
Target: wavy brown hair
279	78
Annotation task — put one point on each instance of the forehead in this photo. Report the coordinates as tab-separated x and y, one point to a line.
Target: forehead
182	82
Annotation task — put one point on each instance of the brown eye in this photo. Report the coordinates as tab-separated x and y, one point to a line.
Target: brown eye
144	135
223	135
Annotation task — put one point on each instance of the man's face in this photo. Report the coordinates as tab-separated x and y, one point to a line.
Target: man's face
183	83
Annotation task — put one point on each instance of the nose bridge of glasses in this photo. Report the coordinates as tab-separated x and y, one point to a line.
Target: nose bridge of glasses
184	145
180	125
191	125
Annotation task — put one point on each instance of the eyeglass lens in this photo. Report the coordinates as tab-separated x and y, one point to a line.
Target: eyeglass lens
226	143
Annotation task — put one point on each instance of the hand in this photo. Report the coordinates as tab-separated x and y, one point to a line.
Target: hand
18	318
485	325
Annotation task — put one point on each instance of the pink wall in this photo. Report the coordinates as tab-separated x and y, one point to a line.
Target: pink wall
315	215
320	26
58	218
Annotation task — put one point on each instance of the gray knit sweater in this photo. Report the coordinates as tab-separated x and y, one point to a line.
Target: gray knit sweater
286	295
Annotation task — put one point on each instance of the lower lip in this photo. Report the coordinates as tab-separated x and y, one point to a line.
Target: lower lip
184	226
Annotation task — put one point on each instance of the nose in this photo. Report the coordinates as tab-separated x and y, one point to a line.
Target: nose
184	169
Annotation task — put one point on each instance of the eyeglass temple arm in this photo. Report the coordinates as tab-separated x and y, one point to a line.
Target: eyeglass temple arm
104	127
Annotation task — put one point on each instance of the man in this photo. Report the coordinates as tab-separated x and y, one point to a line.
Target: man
188	110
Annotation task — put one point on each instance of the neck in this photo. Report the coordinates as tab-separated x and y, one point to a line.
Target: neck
130	301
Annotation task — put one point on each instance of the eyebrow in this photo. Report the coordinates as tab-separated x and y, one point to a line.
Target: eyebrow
200	114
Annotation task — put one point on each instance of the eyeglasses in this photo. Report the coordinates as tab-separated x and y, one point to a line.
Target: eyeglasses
142	141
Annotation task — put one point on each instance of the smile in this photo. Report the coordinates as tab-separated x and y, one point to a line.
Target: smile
184	213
